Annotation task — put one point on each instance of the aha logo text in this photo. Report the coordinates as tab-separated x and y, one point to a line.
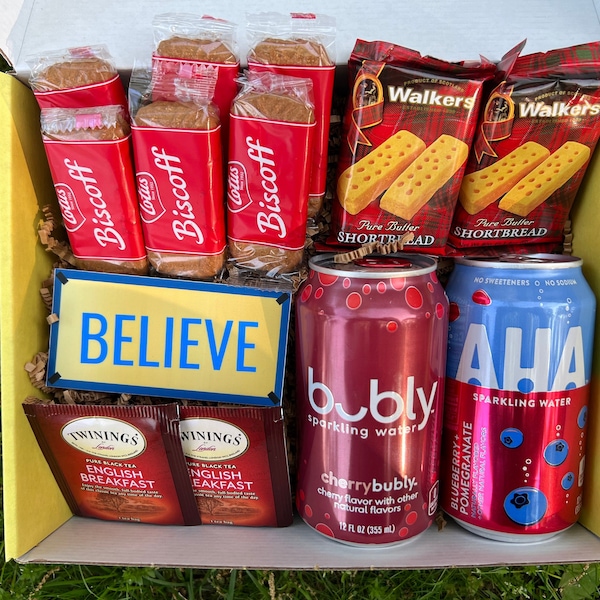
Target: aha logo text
476	365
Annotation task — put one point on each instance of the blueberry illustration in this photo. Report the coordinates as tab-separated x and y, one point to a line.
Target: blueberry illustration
511	437
556	452
525	505
519	500
567	481
582	417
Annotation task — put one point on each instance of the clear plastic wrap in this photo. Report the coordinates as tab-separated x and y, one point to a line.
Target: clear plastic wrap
300	45
271	140
195	37
76	78
89	154
187	46
180	186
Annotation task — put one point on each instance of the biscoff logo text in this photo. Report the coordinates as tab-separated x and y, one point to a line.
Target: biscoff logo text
105	231
269	219
185	226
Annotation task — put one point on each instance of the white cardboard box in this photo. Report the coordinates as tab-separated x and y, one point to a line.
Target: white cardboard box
38	527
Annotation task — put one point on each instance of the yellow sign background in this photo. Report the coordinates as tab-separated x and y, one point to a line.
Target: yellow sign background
166	338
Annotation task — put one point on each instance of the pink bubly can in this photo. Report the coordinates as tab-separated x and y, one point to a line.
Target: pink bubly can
370	356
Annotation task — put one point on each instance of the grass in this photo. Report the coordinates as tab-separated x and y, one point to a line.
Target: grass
145	583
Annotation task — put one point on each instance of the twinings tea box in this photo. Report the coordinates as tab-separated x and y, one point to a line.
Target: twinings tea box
117	463
237	461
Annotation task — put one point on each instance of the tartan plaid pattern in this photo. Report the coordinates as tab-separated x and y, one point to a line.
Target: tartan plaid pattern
401	68
568	75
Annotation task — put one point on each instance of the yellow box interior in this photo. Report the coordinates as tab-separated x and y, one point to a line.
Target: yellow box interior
33	504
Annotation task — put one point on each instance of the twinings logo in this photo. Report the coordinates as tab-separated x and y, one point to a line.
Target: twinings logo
71	213
151	206
104	437
238	195
212	439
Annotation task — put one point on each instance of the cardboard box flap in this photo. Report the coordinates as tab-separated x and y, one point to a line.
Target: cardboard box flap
295	547
38	525
33	504
431	27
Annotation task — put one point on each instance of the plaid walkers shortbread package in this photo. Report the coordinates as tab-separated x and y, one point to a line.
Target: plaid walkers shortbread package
536	135
407	131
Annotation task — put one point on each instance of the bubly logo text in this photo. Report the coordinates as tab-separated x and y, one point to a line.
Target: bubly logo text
416	406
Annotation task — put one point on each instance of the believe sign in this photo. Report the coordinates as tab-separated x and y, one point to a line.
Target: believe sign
168	338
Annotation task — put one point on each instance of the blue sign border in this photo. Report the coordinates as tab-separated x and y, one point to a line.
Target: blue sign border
274	398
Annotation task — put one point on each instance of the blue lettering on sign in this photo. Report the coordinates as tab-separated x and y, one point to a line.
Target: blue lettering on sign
169	343
97	340
186	342
120	339
218	354
243	345
144	361
87	337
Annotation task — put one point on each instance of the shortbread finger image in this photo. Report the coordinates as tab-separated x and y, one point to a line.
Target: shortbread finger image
542	182
432	169
366	179
480	188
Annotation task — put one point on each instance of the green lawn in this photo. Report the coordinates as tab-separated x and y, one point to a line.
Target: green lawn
79	582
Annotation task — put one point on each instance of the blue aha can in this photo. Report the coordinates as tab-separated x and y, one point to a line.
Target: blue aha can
517	387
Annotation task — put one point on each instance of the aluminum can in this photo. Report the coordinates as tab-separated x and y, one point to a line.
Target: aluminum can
371	353
517	388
